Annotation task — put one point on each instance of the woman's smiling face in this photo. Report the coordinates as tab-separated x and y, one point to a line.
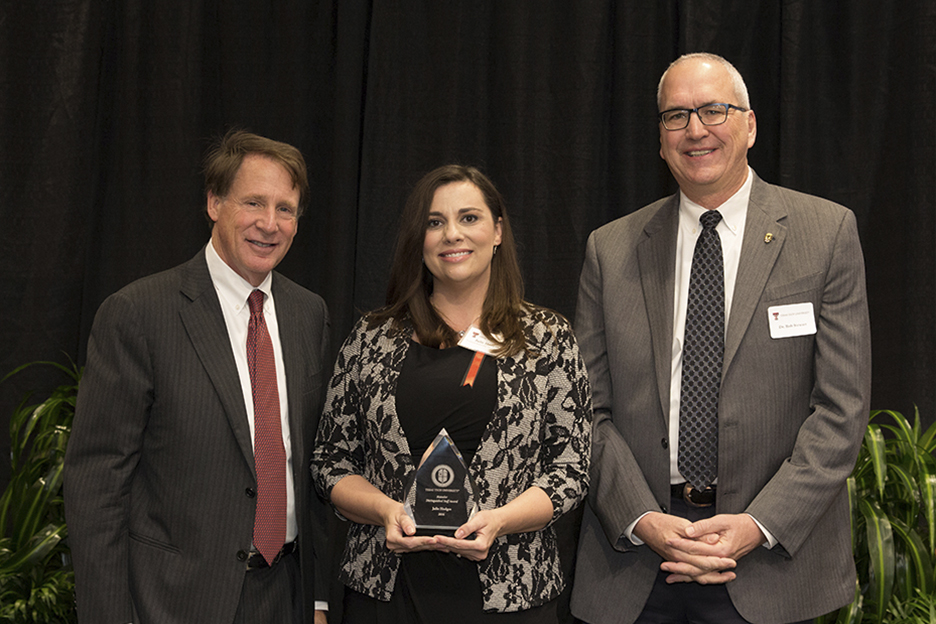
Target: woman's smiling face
461	234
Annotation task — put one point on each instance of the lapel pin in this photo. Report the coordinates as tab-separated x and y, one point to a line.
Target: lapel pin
768	237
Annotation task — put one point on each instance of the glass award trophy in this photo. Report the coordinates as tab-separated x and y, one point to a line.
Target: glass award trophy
440	495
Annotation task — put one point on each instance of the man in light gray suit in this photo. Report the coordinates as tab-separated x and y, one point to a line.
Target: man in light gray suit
164	498
765	537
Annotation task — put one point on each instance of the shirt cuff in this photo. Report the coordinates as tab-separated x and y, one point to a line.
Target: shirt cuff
771	540
629	531
322	605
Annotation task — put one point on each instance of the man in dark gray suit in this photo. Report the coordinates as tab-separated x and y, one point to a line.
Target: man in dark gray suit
187	487
720	496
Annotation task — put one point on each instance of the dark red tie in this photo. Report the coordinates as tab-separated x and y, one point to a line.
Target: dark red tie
269	454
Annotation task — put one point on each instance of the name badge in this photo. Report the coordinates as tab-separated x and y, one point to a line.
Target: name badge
795	319
475	340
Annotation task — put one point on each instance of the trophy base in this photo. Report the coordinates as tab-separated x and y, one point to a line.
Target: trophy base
424	531
446	531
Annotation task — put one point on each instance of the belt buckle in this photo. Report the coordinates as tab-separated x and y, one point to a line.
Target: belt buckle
287	549
698	498
252	557
261	562
277	558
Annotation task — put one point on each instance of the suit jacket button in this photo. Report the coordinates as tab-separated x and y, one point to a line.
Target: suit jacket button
663	507
242	555
665	443
250	492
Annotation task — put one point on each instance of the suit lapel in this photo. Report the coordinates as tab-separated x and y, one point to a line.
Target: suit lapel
286	315
204	323
758	255
656	256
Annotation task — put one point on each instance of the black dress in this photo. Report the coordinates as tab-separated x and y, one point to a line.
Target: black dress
433	586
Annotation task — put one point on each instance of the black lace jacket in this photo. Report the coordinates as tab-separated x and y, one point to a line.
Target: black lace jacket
539	435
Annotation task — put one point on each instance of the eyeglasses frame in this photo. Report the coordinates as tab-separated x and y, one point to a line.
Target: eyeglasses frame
689	112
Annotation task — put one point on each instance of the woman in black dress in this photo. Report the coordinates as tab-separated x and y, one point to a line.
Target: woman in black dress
514	399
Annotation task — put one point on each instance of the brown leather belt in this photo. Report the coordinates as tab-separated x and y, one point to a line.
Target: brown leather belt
692	496
256	560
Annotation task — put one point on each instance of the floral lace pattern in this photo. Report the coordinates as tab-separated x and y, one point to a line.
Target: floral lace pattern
539	435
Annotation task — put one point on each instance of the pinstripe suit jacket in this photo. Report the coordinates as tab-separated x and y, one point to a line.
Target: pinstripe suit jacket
160	461
792	411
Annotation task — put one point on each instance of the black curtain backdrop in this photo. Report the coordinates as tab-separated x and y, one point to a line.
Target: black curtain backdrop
107	106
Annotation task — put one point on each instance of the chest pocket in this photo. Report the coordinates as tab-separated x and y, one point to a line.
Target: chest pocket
802	289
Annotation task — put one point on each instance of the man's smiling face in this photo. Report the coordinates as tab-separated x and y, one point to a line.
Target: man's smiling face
255	223
708	162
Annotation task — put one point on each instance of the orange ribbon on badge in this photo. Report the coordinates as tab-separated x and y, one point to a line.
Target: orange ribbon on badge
472	371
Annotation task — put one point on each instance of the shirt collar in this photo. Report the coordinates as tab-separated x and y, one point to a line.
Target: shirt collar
733	211
233	289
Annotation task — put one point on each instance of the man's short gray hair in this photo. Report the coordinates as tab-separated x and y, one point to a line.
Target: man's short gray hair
740	89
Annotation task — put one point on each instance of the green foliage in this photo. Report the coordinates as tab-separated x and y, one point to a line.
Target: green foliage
921	609
893	498
36	580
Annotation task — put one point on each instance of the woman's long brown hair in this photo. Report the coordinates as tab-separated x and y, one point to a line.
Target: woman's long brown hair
410	283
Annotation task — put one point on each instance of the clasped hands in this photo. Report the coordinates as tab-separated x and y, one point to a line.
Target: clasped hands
402	538
703	552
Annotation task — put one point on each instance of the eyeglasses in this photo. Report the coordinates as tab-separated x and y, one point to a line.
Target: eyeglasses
710	115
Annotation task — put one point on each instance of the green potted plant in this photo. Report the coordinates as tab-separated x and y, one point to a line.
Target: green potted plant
921	609
893	498
36	580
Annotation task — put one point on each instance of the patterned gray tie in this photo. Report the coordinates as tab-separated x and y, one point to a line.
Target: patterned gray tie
703	355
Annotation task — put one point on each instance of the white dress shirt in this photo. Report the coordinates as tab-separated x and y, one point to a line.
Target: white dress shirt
233	291
731	232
